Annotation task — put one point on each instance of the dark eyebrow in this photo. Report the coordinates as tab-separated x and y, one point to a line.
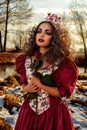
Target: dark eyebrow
39	28
48	30
45	30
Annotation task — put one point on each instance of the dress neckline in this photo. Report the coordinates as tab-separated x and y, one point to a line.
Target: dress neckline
44	67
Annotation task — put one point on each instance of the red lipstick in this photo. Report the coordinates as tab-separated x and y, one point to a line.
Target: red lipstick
40	40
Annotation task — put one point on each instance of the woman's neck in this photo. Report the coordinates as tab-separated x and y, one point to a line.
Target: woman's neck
43	50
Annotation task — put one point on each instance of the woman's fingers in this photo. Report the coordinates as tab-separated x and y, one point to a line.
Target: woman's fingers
34	88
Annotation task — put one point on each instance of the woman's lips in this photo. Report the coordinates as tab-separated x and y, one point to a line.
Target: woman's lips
40	40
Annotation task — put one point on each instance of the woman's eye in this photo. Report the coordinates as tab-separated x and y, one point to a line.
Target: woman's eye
46	32
49	33
38	31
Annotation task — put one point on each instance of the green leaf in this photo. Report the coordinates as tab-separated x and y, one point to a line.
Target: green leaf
38	75
30	95
35	64
47	80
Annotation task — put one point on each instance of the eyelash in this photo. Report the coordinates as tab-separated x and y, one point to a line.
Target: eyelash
48	33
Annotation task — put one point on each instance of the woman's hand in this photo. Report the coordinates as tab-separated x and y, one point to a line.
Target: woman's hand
50	90
30	88
36	82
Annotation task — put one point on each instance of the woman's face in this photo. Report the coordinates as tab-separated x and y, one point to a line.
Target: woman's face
44	35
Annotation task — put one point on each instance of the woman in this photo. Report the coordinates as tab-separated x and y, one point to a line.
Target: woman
47	111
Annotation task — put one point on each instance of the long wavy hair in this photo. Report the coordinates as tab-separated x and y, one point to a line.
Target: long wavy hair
59	47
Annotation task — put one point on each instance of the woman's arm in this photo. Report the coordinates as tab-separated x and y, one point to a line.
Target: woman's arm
65	78
50	90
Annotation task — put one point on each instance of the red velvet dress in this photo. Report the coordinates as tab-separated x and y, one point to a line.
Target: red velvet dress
57	116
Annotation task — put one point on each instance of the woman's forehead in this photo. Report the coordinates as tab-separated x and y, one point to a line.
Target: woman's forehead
45	25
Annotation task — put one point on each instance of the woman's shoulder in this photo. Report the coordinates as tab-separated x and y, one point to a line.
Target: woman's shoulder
20	67
20	60
21	57
67	65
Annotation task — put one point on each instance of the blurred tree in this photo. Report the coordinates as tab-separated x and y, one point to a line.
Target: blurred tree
78	10
18	40
14	12
0	42
65	20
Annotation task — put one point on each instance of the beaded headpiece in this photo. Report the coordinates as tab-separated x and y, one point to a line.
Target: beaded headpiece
56	19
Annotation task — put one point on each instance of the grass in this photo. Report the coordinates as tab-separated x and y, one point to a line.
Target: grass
8	57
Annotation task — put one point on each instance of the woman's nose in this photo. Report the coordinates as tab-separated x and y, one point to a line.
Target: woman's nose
42	34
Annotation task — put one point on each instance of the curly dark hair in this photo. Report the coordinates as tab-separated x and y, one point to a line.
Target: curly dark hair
59	47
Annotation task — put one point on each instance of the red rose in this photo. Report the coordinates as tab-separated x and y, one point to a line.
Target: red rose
37	54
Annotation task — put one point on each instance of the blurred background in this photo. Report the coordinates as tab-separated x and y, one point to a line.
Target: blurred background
16	17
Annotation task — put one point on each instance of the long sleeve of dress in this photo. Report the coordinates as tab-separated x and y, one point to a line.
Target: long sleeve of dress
20	68
65	77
